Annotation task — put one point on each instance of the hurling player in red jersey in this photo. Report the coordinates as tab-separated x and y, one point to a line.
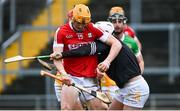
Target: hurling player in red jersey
81	70
127	29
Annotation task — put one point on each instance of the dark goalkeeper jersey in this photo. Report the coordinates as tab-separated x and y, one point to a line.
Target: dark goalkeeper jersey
124	67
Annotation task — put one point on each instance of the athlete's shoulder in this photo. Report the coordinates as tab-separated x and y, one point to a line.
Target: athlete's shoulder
129	31
129	37
94	29
63	29
65	26
90	25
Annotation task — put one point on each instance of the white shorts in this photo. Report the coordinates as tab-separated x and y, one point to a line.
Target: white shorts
134	94
58	88
88	83
112	91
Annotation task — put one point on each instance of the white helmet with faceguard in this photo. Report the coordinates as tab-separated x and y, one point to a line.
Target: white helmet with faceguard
105	25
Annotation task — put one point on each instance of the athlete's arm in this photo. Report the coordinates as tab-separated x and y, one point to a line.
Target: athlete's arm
58	48
138	42
138	54
114	51
58	63
141	62
90	49
81	51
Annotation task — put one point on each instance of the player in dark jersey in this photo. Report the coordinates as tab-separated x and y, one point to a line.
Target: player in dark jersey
124	70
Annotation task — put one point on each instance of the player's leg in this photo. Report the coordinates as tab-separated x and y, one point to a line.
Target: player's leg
116	105
69	97
117	102
96	104
111	91
78	105
91	84
126	107
58	84
58	88
137	93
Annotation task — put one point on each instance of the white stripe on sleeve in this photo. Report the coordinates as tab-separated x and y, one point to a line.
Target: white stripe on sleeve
104	37
93	48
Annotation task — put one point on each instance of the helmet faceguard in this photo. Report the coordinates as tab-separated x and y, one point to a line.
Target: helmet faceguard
117	13
117	16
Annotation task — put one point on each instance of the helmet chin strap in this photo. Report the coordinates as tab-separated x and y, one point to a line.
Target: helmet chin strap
78	31
116	33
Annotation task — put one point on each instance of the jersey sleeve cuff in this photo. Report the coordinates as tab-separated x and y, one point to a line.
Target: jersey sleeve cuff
58	45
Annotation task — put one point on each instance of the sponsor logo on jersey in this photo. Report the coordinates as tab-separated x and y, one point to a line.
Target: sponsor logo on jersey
69	36
75	46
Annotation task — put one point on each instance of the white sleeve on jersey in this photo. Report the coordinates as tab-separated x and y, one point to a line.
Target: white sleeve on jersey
55	44
105	35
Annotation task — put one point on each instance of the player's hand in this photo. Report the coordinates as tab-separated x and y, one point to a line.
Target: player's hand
99	74
56	56
103	66
66	80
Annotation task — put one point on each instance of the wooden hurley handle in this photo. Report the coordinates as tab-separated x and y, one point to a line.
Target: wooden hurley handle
44	73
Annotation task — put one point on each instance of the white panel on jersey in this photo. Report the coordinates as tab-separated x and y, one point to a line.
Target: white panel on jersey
105	25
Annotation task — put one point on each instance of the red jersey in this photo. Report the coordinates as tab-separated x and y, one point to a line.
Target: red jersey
79	66
129	31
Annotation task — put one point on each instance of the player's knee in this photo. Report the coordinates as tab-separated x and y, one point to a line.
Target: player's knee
96	104
101	106
66	107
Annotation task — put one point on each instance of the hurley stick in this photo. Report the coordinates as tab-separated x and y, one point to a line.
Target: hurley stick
100	95
19	58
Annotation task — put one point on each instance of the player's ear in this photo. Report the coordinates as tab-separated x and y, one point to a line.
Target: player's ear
125	20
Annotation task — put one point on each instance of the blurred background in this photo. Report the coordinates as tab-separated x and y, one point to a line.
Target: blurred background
27	28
